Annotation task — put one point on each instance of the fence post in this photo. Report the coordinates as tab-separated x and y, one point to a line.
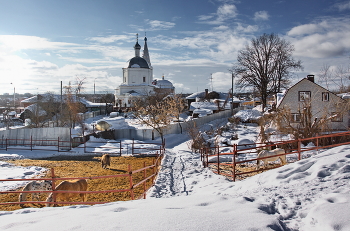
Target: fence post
299	149
31	143
6	144
132	147
120	147
58	144
234	162
218	156
53	185
144	183
131	184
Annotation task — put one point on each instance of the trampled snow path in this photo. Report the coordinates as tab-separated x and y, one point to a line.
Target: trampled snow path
182	172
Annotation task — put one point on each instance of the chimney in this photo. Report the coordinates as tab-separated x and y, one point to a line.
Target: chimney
311	78
206	93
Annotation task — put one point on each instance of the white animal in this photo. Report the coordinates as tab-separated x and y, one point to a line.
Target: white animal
271	154
44	185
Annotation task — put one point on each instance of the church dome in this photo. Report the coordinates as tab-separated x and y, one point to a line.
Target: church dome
163	83
138	62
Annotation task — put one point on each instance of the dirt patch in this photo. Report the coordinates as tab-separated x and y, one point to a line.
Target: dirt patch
88	166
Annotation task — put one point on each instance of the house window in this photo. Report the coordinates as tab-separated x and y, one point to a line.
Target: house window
325	96
336	117
304	96
295	118
144	79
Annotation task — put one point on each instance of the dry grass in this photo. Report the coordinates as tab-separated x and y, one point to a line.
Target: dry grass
88	166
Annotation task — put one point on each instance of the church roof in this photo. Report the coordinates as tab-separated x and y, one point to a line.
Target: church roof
138	62
163	83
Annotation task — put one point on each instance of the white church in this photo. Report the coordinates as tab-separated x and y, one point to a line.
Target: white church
138	79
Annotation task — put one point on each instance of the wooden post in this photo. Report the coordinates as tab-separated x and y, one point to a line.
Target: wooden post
234	162
120	148
31	143
58	144
132	147
144	183
299	149
53	185
218	156
131	184
6	144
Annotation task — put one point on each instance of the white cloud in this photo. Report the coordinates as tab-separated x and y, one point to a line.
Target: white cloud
21	42
111	38
325	38
159	25
304	29
343	6
261	15
222	81
223	13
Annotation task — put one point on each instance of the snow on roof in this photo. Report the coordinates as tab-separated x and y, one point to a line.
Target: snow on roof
202	112
57	98
196	95
344	95
203	105
37	110
246	115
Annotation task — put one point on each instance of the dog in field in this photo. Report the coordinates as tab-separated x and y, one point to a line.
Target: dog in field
43	185
76	185
106	161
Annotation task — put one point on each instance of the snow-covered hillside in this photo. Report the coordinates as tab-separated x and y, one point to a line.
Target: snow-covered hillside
311	194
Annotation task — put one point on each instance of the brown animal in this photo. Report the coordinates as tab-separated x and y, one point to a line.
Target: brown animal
76	185
106	161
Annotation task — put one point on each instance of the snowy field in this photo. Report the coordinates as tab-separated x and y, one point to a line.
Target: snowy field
311	194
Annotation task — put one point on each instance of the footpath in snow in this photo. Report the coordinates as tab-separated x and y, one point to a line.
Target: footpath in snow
311	194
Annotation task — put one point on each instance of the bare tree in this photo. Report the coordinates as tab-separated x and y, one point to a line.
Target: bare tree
336	76
109	100
156	112
266	65
73	107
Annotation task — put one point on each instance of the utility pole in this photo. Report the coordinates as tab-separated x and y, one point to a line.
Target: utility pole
14	97
233	78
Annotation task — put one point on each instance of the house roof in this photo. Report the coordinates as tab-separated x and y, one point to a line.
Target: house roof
279	102
57	99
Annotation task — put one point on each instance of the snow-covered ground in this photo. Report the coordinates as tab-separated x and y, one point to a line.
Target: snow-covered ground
311	194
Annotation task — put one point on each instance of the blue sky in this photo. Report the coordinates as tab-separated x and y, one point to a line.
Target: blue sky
44	42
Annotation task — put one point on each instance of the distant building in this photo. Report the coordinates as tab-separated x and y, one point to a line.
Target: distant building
138	79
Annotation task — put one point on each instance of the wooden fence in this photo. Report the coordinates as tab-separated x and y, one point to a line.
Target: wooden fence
147	177
212	157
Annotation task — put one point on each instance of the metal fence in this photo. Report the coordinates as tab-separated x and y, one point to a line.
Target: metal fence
148	179
291	147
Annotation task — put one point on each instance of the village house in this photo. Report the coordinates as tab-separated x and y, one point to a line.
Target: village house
47	105
323	104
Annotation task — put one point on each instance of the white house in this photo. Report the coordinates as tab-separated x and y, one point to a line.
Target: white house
324	104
